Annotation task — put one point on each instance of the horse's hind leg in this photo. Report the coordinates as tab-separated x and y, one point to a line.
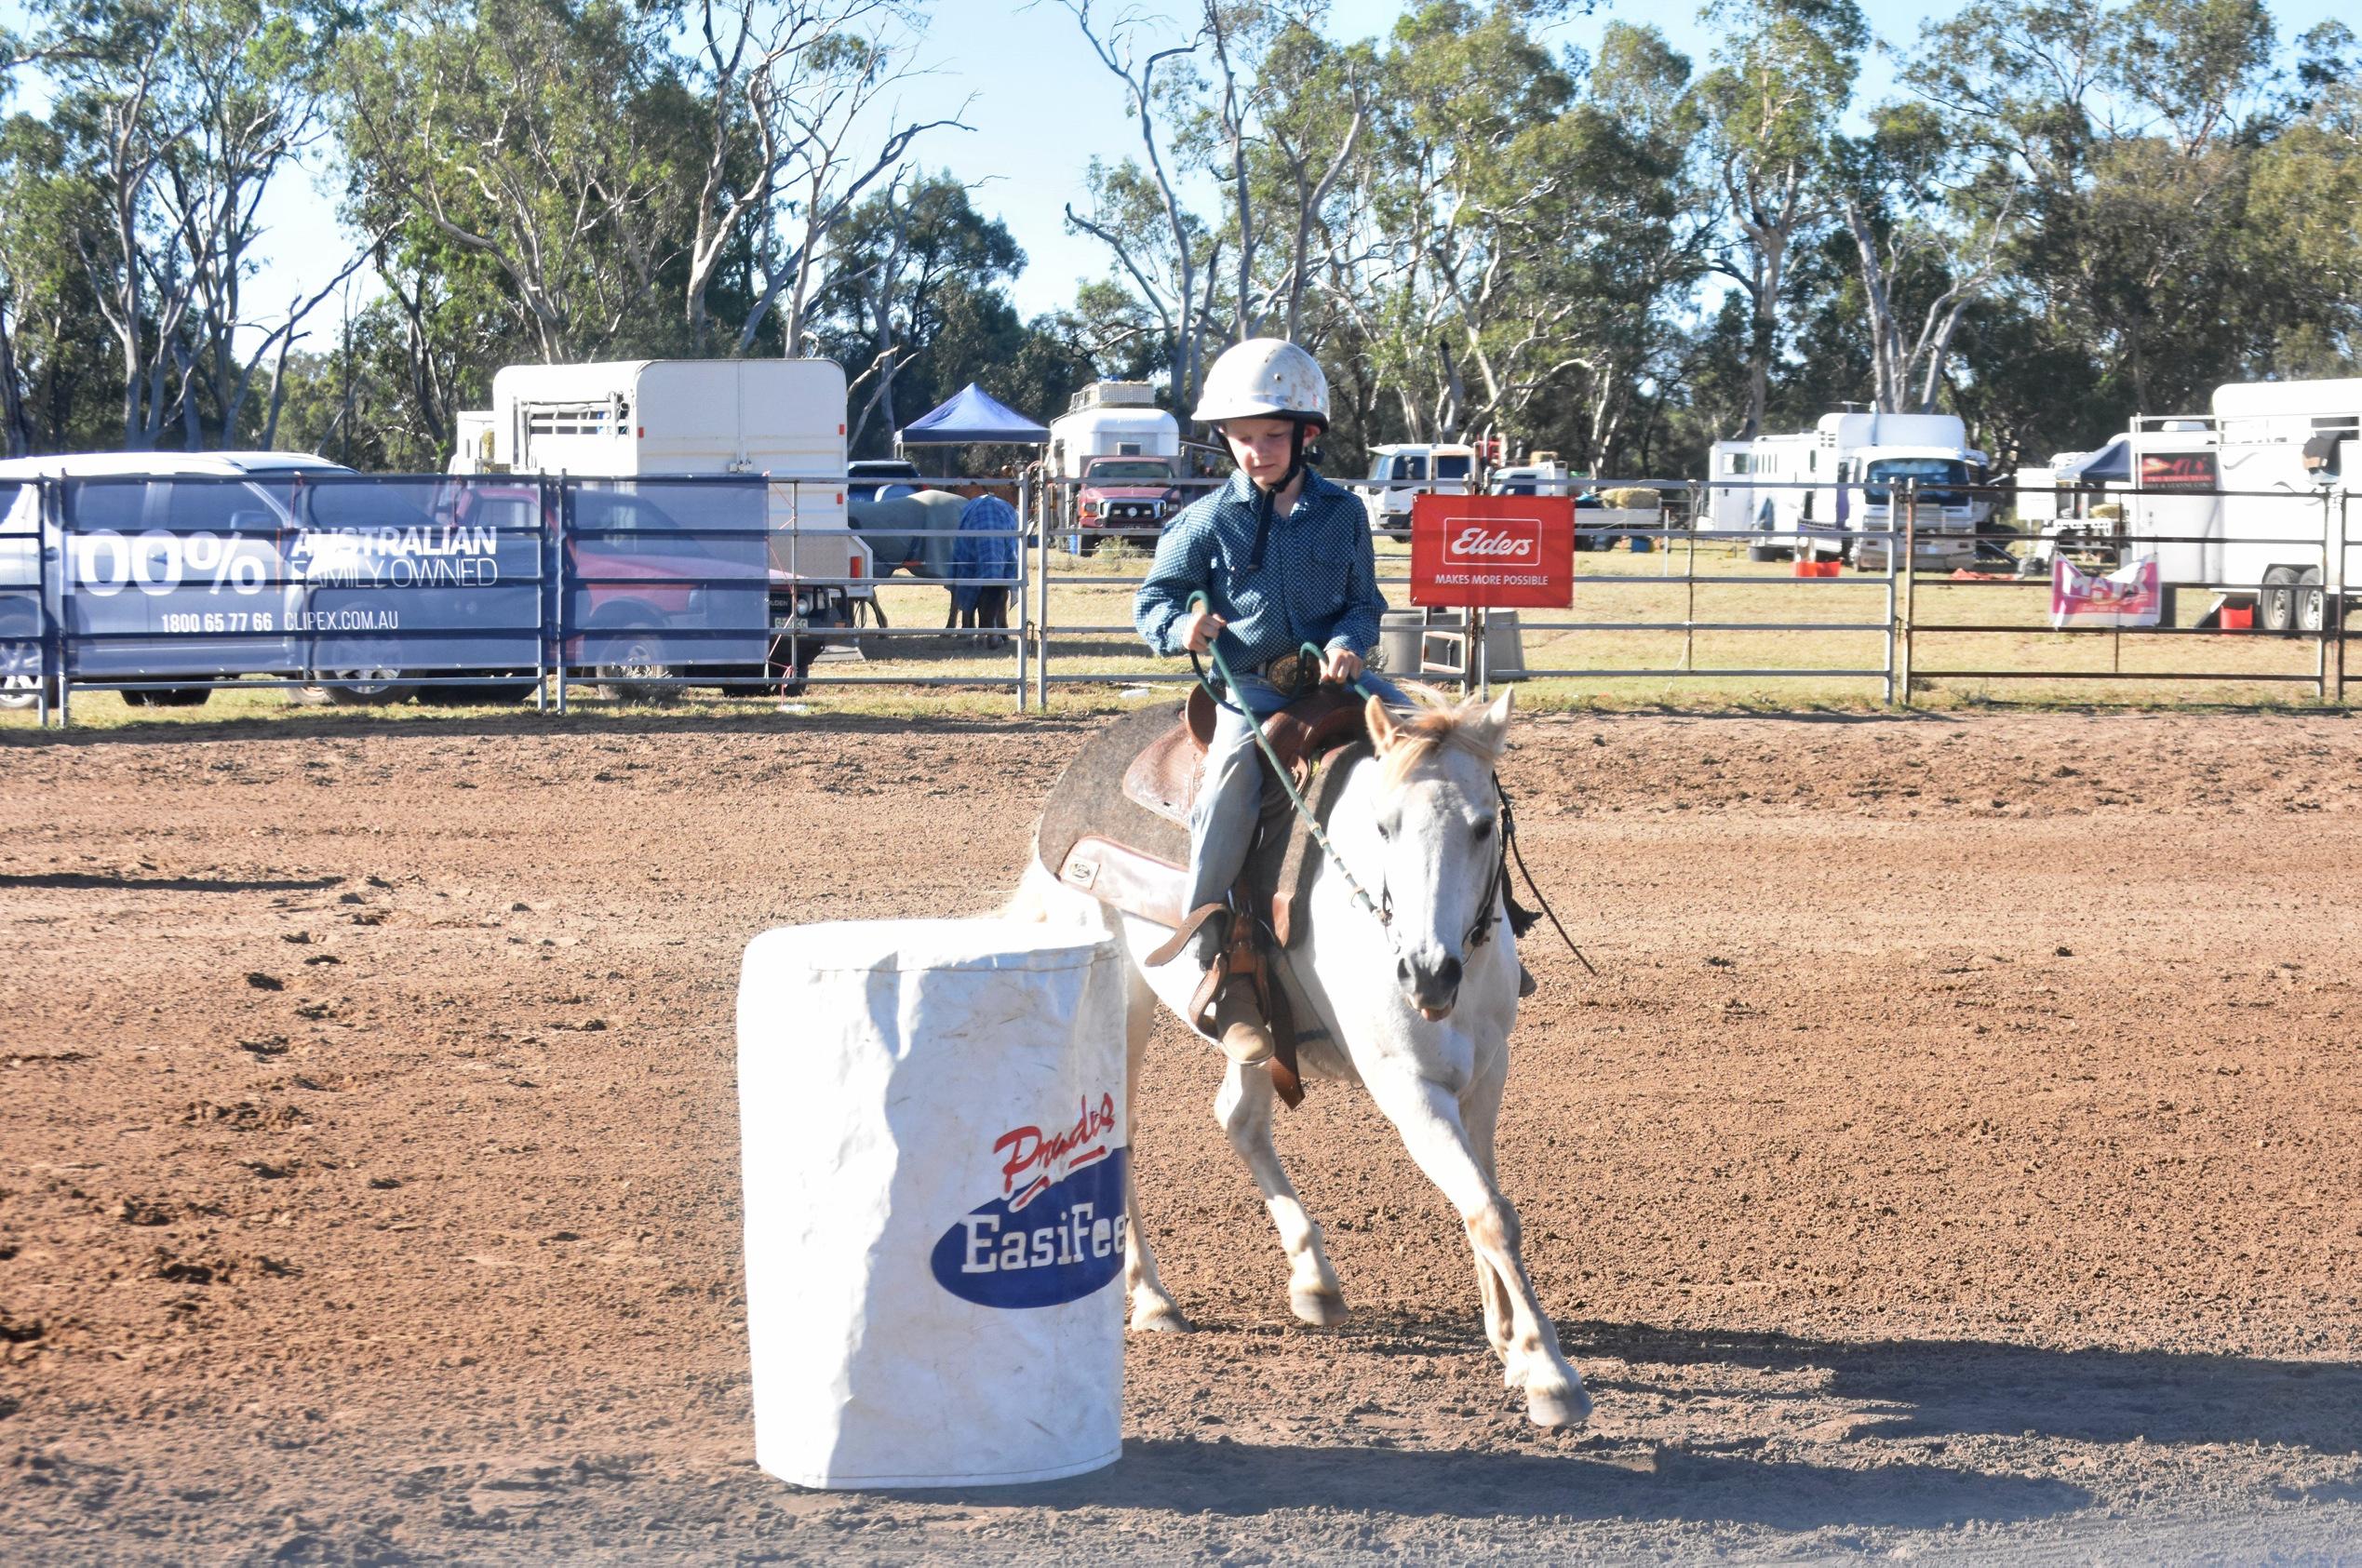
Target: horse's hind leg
1428	1117
1153	1308
1243	1107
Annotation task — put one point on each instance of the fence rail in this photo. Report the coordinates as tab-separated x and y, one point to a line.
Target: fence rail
166	587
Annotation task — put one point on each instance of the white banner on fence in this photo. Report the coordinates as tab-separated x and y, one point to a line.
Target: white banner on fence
2130	596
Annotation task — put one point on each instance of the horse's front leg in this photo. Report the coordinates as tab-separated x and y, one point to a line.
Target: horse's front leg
1480	1111
1153	1308
1243	1107
1427	1116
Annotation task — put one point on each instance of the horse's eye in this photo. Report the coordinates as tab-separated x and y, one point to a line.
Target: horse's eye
1384	831
1483	828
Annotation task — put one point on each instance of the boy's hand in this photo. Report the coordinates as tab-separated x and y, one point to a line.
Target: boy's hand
1203	627
1342	667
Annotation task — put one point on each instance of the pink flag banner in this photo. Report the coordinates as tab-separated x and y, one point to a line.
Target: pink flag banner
2127	596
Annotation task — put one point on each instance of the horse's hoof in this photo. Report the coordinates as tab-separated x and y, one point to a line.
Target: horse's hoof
1158	1317
1322	1309
1563	1407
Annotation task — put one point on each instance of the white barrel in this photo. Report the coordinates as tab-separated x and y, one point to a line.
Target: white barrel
935	1122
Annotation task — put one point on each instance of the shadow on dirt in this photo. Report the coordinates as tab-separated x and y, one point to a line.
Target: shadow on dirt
1940	1388
88	879
1219	1478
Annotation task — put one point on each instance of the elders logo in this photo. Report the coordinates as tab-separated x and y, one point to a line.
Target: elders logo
1492	541
1056	1232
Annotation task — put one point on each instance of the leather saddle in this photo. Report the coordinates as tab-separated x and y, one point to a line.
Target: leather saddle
1117	823
1116	826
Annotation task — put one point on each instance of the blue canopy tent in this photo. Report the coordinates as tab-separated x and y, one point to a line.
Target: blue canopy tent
972	416
2112	464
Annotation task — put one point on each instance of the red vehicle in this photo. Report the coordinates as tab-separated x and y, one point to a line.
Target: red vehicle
1129	497
651	598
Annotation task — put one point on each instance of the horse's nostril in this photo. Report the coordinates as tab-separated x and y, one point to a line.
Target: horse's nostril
1447	978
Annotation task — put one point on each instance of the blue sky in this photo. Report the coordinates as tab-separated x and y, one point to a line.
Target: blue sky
1043	105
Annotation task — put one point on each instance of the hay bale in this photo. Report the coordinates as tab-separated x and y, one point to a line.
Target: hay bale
1632	498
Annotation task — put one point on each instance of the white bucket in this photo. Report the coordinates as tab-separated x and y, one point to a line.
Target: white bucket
934	1126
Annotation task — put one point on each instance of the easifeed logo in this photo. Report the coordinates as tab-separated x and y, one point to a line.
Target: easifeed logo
1056	1232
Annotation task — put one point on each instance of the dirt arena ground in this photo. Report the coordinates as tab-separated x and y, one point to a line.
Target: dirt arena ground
1957	1157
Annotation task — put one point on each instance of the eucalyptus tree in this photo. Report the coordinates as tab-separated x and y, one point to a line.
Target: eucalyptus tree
1784	73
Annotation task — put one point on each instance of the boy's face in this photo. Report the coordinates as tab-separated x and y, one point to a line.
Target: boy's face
1260	446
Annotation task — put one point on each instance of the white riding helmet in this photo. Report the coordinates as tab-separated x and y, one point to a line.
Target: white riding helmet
1264	378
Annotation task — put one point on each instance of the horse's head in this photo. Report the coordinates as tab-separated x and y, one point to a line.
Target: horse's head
1438	819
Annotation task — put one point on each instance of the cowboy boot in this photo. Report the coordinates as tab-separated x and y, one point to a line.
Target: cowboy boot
1239	1029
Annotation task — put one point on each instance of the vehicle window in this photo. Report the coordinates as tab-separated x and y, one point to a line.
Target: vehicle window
1449	467
1141	471
17	497
1929	471
218	506
1379	467
107	503
1411	468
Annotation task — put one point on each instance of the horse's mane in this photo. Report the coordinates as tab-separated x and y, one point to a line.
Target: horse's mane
1435	722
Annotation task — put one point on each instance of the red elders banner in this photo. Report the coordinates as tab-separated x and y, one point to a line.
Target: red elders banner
1493	552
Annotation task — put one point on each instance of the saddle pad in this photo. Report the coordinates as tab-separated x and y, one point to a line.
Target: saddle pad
1089	799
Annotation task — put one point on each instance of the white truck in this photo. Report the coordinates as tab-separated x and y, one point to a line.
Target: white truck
1819	491
1400	470
1117	456
784	419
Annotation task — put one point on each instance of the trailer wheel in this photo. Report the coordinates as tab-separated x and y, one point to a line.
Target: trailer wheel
1763	552
2309	602
2274	604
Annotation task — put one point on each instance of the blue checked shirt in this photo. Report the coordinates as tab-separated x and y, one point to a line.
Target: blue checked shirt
1318	582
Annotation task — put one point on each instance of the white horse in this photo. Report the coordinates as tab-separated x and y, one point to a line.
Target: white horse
1414	1011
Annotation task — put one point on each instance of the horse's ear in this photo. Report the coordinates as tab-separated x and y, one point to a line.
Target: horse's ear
1381	724
1495	724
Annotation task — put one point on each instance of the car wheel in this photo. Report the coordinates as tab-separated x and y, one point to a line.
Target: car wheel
20	673
633	670
169	697
2275	604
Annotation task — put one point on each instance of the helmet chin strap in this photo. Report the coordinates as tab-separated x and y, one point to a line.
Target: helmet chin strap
1265	494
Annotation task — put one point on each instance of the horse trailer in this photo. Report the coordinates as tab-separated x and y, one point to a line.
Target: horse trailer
783	418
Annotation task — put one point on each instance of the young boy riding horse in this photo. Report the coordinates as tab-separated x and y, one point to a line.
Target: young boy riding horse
1284	559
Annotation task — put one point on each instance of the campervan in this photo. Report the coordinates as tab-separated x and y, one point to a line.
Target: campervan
1838	489
1121	458
1400	470
643	419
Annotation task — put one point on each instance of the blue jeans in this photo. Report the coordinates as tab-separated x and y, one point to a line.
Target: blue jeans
1222	821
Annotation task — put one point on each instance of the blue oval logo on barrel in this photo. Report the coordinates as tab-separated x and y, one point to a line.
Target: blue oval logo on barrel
1056	1232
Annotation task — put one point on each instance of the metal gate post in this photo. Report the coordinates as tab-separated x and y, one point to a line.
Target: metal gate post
2332	628
1689	586
546	646
47	526
565	555
1909	557
1894	603
1048	504
65	604
1025	580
